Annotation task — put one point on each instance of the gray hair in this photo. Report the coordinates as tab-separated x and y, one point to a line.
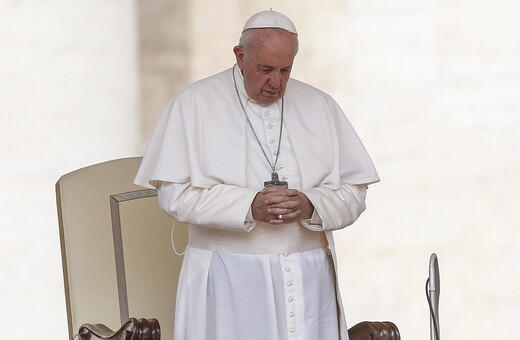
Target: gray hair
247	38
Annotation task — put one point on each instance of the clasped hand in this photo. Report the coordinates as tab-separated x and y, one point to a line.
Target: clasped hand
274	202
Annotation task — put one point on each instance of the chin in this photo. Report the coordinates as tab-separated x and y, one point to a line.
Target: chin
268	99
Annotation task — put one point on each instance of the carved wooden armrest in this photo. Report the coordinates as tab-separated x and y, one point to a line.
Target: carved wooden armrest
370	330
132	329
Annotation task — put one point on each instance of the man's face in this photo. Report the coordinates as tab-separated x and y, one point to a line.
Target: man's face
266	64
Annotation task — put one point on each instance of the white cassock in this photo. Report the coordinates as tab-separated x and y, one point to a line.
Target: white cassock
243	279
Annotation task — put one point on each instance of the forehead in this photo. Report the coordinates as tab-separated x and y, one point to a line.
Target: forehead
272	45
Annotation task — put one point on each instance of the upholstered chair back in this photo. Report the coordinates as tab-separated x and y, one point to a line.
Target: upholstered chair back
118	260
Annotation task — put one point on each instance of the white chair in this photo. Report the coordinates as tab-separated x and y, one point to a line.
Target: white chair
118	262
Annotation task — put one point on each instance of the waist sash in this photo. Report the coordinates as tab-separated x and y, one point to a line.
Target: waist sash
265	238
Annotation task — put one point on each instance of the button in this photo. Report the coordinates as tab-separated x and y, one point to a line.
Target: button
276	153
291	314
290	299
287	269
272	141
279	167
270	126
293	330
285	255
289	283
267	113
284	178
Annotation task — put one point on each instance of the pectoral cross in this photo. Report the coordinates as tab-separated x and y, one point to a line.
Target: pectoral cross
275	181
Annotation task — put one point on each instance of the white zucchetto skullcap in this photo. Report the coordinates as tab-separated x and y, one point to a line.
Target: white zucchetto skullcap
270	19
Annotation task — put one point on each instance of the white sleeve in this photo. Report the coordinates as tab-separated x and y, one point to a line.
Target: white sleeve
335	209
221	207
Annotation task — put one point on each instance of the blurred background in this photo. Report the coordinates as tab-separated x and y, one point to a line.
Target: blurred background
432	88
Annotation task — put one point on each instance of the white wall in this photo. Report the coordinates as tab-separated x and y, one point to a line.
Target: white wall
432	88
68	94
435	94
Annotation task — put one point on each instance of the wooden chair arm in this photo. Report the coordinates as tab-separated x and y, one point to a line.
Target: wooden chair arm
132	329
149	329
370	330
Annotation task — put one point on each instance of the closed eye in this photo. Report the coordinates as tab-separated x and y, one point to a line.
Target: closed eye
265	69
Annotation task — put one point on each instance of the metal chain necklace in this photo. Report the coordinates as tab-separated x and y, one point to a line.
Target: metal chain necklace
274	175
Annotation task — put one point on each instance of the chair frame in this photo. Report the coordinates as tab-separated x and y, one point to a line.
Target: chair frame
115	200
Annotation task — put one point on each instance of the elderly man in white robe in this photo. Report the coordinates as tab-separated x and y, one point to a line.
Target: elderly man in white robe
263	168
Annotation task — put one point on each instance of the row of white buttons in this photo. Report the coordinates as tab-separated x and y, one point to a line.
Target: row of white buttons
283	178
290	283
272	142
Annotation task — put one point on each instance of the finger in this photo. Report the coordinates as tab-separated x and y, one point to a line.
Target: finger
278	212
276	195
284	221
283	208
293	215
288	218
280	199
276	219
291	205
272	188
277	202
278	222
281	190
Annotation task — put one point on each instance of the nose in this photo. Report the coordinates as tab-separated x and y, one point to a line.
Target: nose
275	79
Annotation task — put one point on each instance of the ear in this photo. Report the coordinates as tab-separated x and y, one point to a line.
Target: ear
239	55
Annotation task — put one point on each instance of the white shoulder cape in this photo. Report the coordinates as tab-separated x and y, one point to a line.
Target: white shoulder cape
201	138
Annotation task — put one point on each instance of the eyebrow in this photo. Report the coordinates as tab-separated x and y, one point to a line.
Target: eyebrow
271	67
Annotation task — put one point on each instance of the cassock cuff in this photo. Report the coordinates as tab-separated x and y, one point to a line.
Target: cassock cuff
249	222
314	223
